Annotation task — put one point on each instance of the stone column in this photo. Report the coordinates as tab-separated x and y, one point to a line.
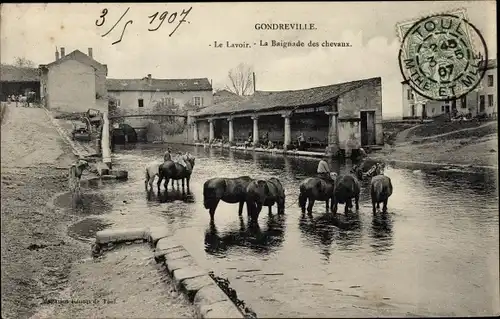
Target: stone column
211	125
195	131
333	136
231	132
255	129
288	131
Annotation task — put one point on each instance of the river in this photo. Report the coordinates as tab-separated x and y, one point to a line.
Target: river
434	254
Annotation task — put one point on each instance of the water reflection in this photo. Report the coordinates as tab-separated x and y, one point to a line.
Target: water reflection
323	230
248	236
381	232
170	196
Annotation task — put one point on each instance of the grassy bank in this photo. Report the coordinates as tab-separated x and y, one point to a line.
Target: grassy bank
464	143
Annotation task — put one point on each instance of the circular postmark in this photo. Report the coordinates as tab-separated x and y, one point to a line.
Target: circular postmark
442	57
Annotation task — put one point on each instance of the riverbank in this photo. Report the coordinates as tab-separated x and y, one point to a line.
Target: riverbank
472	152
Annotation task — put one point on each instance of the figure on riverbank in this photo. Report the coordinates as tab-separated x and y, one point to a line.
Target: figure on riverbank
380	191
347	187
229	190
171	170
264	193
316	188
74	178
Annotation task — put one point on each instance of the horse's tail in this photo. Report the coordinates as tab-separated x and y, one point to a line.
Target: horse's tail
302	195
209	194
147	175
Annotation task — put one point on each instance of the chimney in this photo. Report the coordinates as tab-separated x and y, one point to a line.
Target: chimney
90	52
150	80
57	54
62	53
253	78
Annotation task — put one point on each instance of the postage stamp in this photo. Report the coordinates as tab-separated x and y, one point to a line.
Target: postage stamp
441	56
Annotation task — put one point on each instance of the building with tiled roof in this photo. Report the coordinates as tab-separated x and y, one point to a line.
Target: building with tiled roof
16	80
74	82
143	94
344	115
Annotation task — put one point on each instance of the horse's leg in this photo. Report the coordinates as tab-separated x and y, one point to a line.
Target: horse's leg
374	205
310	206
334	206
240	208
151	180
384	207
187	183
356	201
270	209
348	204
183	185
166	183
160	178
212	209
327	204
378	205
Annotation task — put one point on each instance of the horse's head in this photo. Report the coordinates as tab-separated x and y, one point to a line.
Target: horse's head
82	164
189	158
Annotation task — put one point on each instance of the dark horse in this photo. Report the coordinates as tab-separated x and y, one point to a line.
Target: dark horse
313	189
264	193
346	188
229	190
175	171
380	191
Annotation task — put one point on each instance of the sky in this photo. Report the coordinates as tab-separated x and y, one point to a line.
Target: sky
34	31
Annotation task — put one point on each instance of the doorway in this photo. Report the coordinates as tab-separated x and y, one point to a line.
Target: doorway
368	128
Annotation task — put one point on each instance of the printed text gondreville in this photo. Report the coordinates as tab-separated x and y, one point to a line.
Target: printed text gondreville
285	26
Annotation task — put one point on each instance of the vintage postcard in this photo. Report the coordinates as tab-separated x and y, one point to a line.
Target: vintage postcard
246	160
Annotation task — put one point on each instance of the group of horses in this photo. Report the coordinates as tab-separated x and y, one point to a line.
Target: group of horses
257	193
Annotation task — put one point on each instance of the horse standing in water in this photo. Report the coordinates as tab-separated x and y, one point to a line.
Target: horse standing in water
380	190
316	188
229	190
175	171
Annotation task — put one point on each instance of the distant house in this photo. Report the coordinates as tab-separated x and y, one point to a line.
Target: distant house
482	100
18	80
224	96
141	95
74	82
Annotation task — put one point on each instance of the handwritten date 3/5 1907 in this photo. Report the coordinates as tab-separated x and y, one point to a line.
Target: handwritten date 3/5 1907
156	20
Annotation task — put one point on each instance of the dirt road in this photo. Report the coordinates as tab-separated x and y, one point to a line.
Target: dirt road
36	253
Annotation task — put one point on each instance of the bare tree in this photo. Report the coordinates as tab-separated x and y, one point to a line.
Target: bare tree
23	62
241	78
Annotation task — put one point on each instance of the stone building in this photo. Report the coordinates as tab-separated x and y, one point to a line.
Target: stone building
482	100
342	116
18	80
74	82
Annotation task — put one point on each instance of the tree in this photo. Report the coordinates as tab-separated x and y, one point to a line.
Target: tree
23	62
241	78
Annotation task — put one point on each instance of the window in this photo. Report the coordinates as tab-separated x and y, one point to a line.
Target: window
490	80
481	103
490	100
463	102
169	101
410	95
198	101
141	102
